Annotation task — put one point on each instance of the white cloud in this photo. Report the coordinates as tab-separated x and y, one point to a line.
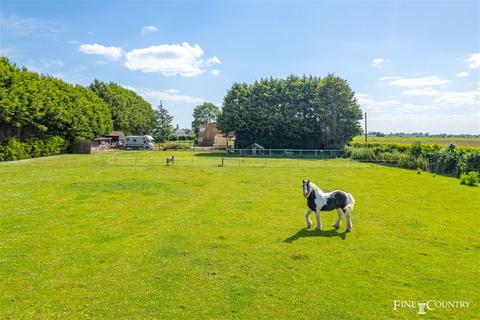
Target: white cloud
112	53
30	26
415	122
462	74
212	61
169	59
464	98
389	78
374	105
129	88
148	29
170	95
390	106
379	62
419	82
410	107
215	72
42	65
422	92
474	61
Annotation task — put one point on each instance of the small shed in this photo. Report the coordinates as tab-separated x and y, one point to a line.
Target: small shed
224	141
117	137
255	146
256	149
96	145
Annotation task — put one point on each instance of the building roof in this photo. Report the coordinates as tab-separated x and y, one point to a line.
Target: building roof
255	146
180	133
116	134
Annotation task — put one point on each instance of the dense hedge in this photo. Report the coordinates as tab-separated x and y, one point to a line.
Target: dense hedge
14	149
34	106
41	115
450	160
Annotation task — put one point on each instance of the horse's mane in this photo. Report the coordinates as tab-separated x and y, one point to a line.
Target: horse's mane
315	187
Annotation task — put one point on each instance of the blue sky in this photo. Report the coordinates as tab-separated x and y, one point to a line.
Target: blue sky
415	66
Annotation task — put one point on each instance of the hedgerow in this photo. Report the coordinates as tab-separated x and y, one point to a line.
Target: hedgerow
14	149
449	160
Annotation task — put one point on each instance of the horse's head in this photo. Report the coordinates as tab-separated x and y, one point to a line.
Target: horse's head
306	187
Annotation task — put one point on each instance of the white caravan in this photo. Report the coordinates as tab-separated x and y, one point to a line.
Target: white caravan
139	142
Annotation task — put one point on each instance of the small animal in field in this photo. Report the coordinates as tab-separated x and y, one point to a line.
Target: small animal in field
171	160
318	201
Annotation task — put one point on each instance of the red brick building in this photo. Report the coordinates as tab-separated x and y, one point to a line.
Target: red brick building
206	136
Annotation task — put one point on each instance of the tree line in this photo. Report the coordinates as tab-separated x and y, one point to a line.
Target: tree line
296	112
42	115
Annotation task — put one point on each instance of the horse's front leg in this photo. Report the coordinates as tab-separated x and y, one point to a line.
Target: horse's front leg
339	219
307	218
349	220
319	223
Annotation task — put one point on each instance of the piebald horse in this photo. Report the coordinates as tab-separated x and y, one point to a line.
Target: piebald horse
171	160
317	201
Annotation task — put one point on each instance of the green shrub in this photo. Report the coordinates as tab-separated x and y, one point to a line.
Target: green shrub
471	162
408	162
361	153
17	150
448	161
470	179
422	163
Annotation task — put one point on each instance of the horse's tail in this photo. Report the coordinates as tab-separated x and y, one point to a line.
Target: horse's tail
350	202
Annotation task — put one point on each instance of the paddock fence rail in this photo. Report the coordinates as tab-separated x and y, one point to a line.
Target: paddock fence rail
233	158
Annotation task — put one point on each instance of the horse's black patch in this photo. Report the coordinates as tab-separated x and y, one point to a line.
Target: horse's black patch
311	201
337	200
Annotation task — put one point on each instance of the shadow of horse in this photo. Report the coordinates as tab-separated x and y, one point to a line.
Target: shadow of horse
305	232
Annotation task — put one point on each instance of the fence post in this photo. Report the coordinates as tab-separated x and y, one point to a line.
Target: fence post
222	161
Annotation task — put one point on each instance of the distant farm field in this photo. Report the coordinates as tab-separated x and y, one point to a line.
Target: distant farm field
472	142
122	236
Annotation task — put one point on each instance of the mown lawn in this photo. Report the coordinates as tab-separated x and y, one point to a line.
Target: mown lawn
123	236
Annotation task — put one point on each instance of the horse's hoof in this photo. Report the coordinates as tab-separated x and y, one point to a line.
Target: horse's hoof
348	230
309	226
336	227
318	229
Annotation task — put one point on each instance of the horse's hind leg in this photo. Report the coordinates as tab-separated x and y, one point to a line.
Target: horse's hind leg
349	219
339	220
319	223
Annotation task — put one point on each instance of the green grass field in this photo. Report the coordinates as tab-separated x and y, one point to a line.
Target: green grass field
466	142
122	236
